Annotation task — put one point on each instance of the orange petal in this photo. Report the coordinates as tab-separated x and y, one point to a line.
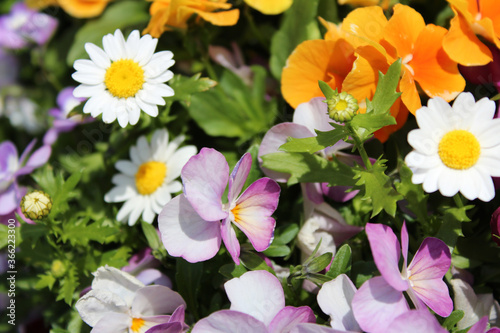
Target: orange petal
365	26
333	31
83	8
361	81
409	93
434	71
267	7
314	60
225	18
403	29
359	2
398	111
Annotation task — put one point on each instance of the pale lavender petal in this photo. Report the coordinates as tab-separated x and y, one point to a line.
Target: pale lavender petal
386	250
185	234
155	300
480	326
8	200
112	322
416	321
36	160
338	193
376	304
431	261
434	293
152	275
313	115
314	192
239	176
227	321
335	299
314	328
276	137
167	328
9	160
289	317
119	283
205	177
256	293
335	223
252	213
179	314
230	241
98	304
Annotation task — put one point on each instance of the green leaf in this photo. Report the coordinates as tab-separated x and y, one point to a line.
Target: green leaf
31	233
277	250
327	90
319	263
317	143
119	15
79	232
184	87
341	263
374	184
308	168
4	231
413	193
233	109
68	286
254	263
285	234
451	227
151	235
46	281
451	321
299	24
232	270
188	278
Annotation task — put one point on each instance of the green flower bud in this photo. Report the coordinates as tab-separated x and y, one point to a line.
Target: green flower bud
58	268
36	205
342	107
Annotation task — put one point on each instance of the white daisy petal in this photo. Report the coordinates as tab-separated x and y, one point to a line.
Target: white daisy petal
120	194
88	66
147	45
148	215
136	212
174	187
149	96
126	167
97	55
132	44
134	155
160	89
160	62
120	179
87	78
430	183
178	160
143	148
150	109
84	90
447	184
164	77
172	147
159	143
125	210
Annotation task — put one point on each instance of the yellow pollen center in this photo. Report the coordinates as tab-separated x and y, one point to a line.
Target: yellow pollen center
341	105
124	78
150	176
459	149
235	212
137	323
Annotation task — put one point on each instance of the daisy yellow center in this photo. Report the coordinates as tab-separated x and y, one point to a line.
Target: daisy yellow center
124	78
137	323
150	176
459	149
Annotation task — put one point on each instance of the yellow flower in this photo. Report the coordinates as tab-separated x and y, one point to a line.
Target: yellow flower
169	14
362	3
75	8
267	7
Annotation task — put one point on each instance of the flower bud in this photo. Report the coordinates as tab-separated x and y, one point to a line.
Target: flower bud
36	205
58	268
342	107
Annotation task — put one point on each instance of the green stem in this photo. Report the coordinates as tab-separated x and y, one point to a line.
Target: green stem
458	200
359	146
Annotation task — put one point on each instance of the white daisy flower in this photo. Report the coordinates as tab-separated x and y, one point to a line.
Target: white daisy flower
147	181
124	78
456	148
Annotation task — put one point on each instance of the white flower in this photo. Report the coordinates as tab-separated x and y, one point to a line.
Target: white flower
147	181
124	78
119	303
456	148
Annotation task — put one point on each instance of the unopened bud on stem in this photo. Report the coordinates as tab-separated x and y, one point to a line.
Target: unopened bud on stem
342	107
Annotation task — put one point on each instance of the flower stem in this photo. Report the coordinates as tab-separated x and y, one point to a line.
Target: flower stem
458	200
359	146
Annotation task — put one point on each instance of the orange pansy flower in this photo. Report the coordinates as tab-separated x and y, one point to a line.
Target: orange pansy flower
472	17
169	14
419	46
75	8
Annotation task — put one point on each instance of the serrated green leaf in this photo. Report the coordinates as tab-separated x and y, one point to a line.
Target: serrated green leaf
188	277
317	143
341	263
385	94
119	15
46	281
413	193
374	184
232	270
184	87
451	321
151	235
309	168
68	286
33	232
299	24
451	227
80	232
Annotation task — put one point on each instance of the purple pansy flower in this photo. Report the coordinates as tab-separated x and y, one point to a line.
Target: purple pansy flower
482	327
422	279
193	224
23	26
65	102
307	118
257	306
143	266
11	167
